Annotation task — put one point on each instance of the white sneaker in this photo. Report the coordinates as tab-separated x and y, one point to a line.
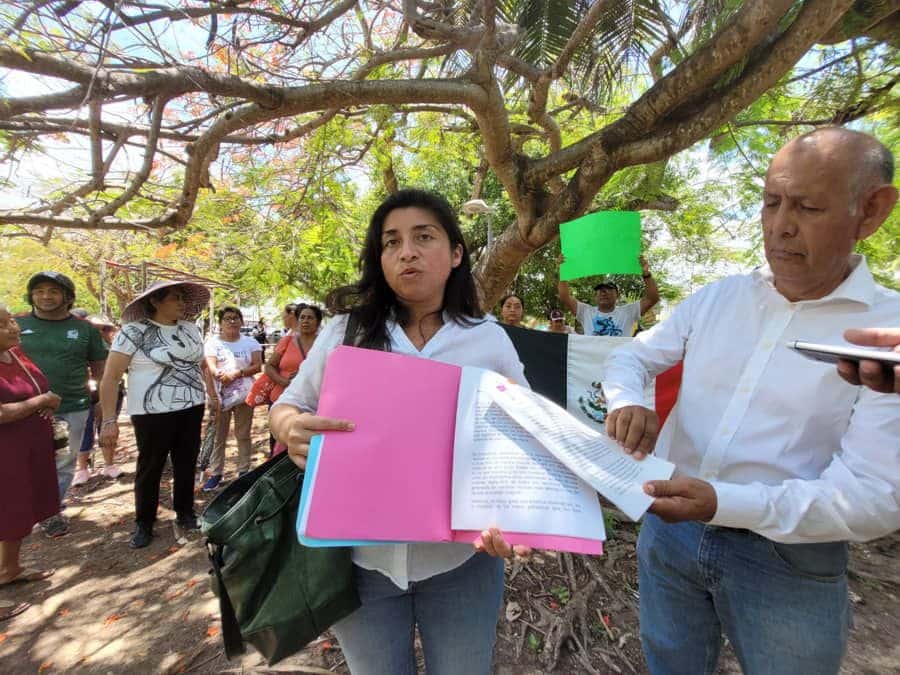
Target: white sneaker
112	471
81	477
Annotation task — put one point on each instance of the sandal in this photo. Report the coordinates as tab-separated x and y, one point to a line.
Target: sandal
28	575
10	609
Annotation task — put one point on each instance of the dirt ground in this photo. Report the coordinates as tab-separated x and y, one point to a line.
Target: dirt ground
109	609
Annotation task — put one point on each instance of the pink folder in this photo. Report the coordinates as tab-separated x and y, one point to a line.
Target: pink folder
390	478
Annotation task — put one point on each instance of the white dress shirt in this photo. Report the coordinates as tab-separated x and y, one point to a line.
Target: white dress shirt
794	453
484	345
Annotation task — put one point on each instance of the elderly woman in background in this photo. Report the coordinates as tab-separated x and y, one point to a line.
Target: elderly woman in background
162	350
233	359
28	489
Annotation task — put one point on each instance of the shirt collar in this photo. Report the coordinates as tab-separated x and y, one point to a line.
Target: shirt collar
859	286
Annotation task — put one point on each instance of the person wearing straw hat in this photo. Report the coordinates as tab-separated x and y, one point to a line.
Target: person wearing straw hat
162	351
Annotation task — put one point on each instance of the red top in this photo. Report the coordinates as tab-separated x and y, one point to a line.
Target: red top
291	358
28	489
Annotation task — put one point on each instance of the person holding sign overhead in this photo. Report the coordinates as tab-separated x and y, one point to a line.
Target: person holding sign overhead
608	318
416	296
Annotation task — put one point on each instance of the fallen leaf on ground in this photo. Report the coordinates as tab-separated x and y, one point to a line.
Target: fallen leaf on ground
112	618
191	583
64	611
46	665
513	611
2	637
212	631
173	549
325	646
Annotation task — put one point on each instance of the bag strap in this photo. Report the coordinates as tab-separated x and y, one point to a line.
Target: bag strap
300	345
351	329
231	631
37	387
351	334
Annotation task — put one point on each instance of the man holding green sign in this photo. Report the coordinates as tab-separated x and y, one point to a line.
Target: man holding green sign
604	242
607	318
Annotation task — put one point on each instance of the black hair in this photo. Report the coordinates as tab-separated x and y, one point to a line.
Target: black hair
313	308
512	295
228	308
67	293
371	299
292	307
159	295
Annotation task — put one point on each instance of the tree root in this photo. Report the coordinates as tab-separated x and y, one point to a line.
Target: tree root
562	627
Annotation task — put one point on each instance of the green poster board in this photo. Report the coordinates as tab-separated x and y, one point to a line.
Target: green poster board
605	242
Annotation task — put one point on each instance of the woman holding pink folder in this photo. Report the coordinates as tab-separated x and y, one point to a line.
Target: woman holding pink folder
416	296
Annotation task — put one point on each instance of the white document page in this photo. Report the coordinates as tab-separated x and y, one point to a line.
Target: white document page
591	454
503	477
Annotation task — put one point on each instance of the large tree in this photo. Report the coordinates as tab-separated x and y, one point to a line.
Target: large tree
562	96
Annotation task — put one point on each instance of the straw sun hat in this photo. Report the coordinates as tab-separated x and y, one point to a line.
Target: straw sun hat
196	297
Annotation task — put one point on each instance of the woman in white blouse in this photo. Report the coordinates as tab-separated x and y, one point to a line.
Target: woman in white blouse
416	296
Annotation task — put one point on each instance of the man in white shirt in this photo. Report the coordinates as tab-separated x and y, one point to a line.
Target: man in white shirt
779	461
608	318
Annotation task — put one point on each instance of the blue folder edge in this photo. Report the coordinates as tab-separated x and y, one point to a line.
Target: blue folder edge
309	480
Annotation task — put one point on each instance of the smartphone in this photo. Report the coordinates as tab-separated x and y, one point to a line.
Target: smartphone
833	353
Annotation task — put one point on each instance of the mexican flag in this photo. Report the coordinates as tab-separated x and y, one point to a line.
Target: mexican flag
567	369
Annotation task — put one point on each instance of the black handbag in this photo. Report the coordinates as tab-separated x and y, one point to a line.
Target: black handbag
273	592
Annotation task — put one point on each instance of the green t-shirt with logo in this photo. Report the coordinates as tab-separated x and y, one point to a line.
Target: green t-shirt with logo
63	349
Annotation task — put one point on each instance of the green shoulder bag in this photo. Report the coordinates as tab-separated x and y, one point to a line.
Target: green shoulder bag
273	592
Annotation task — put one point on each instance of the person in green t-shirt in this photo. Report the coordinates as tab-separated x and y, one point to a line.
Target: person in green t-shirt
65	348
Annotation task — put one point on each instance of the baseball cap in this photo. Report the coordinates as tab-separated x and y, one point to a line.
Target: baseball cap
607	284
53	277
556	315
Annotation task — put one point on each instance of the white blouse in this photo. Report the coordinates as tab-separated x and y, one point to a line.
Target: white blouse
164	374
483	345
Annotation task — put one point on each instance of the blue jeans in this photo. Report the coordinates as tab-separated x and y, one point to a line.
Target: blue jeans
784	607
456	613
65	457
